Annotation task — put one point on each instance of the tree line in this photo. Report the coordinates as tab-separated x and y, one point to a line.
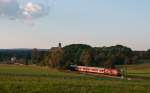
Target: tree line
78	54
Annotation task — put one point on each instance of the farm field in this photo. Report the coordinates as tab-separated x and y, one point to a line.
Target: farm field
139	70
35	79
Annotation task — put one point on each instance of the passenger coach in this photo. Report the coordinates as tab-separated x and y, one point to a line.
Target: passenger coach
105	71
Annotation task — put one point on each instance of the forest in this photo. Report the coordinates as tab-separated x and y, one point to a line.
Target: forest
75	54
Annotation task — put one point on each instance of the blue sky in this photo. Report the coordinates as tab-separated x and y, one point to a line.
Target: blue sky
94	22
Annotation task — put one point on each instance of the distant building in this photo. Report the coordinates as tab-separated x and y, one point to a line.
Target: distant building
59	45
13	60
53	49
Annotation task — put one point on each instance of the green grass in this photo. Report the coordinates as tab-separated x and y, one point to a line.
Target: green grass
139	70
34	79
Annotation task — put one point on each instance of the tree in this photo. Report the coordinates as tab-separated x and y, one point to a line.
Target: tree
99	60
110	62
72	54
86	57
35	56
110	56
55	57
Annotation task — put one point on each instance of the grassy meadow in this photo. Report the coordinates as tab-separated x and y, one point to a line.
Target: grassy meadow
139	71
35	79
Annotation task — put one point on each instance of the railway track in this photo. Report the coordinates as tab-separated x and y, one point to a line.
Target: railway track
104	76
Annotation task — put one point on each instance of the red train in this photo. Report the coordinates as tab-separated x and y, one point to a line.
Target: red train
105	71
